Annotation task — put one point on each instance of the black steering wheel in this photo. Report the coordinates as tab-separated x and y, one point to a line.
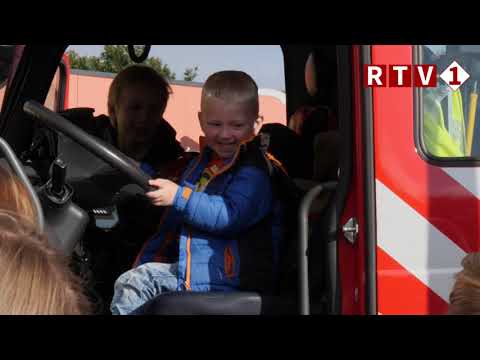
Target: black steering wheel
104	151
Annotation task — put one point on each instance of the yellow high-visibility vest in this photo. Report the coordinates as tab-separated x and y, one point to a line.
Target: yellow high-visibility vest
438	140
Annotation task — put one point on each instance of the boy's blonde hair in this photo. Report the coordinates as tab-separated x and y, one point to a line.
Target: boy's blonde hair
231	86
465	295
138	74
15	197
35	279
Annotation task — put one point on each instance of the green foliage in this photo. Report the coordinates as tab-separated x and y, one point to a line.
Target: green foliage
163	69
84	62
115	57
190	74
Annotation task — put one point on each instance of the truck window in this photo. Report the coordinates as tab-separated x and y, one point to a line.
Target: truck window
53	97
449	118
186	67
9	58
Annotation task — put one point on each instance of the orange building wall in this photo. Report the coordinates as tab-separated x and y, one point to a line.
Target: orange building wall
182	108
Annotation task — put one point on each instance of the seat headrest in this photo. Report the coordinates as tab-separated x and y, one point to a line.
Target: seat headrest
78	114
84	118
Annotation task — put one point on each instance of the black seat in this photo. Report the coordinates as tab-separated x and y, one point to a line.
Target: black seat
217	303
82	163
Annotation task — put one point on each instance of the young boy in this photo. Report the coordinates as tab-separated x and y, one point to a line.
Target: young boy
218	234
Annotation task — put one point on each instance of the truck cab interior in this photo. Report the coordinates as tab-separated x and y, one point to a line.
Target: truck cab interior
49	151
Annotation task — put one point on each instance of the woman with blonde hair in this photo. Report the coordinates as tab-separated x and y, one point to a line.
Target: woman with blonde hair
35	279
465	295
14	196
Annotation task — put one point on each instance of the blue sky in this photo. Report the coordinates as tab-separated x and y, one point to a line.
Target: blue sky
263	62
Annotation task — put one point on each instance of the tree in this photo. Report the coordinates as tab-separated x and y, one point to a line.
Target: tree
190	74
84	62
115	57
163	69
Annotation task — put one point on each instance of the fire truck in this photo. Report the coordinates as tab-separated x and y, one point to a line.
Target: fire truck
385	235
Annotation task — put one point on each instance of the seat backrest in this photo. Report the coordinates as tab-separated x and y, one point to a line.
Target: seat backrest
78	116
290	196
82	162
291	192
84	118
326	150
288	147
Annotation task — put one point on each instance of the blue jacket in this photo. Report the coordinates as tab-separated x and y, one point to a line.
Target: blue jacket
229	234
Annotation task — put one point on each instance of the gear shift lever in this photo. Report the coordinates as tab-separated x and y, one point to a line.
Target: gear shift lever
59	173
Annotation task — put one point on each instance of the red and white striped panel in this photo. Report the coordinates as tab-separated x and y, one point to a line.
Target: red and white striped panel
416	261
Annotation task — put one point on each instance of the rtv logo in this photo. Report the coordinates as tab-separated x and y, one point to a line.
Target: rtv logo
424	75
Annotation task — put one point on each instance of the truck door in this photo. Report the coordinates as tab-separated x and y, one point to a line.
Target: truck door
57	98
426	180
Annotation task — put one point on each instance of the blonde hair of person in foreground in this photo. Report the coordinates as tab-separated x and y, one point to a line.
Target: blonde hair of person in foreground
35	279
14	196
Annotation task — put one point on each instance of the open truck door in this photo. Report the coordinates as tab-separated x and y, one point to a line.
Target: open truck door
421	182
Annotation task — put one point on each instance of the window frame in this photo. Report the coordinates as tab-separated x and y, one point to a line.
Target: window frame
466	161
63	84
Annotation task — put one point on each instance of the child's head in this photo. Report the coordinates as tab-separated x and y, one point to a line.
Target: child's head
229	111
137	99
35	279
15	197
465	295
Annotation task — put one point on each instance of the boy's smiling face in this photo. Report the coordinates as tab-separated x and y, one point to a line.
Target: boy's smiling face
226	125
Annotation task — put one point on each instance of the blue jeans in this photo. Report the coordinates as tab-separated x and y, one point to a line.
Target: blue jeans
141	284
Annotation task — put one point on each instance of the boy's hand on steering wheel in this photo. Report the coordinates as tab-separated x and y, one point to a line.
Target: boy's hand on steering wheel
165	194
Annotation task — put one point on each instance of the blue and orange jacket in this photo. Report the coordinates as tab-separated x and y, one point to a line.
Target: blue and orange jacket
230	233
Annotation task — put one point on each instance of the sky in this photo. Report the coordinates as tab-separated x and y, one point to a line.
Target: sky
263	62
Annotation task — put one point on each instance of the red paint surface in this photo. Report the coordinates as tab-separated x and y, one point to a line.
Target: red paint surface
441	200
352	257
399	292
